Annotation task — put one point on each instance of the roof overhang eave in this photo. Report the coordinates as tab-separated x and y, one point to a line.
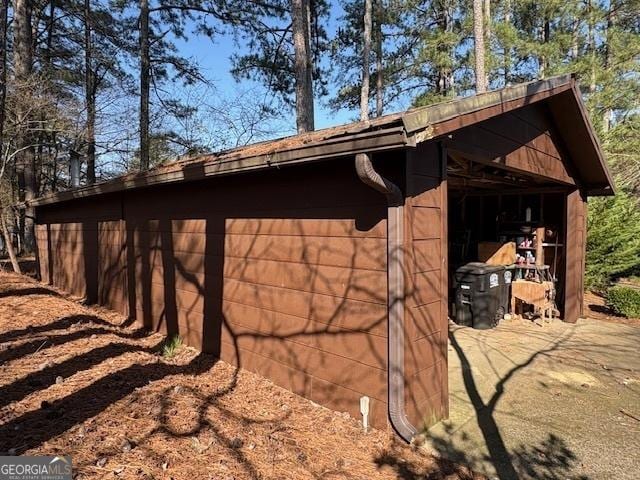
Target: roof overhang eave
377	140
424	118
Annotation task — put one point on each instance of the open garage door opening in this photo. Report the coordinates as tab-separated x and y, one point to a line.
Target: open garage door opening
513	225
516	222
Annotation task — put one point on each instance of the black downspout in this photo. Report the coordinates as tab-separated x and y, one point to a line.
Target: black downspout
395	293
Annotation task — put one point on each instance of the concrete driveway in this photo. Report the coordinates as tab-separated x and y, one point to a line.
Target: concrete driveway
552	402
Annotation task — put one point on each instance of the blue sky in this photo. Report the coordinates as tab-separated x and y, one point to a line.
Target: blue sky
213	56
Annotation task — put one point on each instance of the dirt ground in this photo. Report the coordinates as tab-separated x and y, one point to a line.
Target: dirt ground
596	308
556	401
78	381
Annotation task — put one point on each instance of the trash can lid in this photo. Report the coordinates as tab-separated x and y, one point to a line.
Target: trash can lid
479	268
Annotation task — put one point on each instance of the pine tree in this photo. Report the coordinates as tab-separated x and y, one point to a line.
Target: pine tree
435	31
284	49
385	60
23	67
613	240
478	46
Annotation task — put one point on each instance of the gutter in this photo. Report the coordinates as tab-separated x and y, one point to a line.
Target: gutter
395	294
386	136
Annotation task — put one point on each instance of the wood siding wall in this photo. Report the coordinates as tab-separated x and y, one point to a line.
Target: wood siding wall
282	273
522	141
61	255
426	303
576	233
112	266
68	247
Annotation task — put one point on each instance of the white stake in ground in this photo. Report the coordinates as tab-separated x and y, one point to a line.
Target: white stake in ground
364	410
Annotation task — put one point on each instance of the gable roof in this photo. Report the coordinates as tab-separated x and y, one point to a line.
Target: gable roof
389	132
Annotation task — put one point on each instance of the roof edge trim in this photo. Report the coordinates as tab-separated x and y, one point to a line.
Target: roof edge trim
609	189
368	141
424	117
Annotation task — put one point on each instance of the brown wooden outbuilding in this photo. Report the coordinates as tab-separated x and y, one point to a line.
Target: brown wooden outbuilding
321	260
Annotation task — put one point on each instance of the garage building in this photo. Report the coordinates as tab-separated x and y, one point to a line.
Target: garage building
321	261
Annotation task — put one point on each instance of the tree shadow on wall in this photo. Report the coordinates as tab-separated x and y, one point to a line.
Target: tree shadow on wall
172	289
181	265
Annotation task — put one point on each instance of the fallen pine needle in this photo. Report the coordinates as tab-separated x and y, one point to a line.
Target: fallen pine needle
41	345
631	415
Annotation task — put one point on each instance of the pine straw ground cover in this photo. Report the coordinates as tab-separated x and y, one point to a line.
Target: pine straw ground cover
73	382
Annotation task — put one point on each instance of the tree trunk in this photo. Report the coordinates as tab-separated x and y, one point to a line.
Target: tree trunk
90	96
9	243
3	69
366	58
478	37
607	118
575	39
379	60
451	81
3	97
22	60
303	65
47	54
445	74
507	45
543	61
487	23
591	42
145	72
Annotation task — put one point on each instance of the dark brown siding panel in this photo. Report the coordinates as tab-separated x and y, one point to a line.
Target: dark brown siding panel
68	257
112	274
69	253
425	310
521	141
282	273
424	320
326	310
42	244
576	243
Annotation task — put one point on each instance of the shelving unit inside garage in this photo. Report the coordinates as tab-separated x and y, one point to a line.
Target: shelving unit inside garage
519	216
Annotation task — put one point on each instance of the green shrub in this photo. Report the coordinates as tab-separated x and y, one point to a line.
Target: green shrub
171	346
613	240
625	301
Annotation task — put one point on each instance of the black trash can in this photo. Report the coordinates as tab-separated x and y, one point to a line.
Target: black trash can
480	294
508	276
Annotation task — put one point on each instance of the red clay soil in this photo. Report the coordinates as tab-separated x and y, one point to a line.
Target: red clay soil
77	381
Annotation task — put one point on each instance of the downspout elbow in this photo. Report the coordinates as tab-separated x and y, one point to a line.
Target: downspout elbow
395	294
369	176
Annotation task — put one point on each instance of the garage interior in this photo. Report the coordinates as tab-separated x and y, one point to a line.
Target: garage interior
496	216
